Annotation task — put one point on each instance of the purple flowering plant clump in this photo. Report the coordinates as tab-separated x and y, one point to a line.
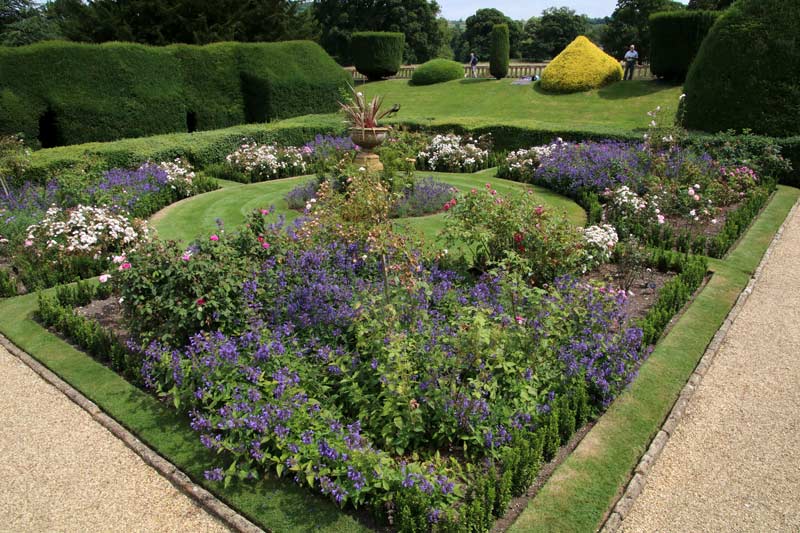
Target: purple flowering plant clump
326	372
423	197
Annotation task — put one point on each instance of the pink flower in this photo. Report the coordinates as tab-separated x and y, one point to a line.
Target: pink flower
125	266
660	219
28	243
265	245
473	191
696	197
265	212
539	210
214	238
690	191
488	185
186	256
446	206
519	319
200	301
104	278
119	259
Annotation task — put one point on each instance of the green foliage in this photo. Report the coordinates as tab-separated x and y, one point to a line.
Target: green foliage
709	5
499	51
179	21
630	25
416	19
437	71
545	37
675	293
377	54
201	148
477	34
57	312
745	74
675	37
7	285
67	93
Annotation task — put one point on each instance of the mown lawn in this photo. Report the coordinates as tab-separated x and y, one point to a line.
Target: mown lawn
197	216
618	108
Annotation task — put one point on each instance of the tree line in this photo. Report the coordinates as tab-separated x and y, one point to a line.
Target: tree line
329	22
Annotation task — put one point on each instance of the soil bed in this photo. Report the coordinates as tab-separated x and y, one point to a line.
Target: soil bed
643	292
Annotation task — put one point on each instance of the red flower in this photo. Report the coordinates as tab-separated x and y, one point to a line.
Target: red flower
446	206
539	210
518	238
260	238
201	301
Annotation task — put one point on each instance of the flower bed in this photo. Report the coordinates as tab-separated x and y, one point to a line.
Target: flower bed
333	354
454	153
53	234
668	196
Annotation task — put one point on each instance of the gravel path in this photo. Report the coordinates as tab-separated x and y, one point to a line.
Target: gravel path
62	471
733	463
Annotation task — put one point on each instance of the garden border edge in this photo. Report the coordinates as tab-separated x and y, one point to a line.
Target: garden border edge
622	506
165	468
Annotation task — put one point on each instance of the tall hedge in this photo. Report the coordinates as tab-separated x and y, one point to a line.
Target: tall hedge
499	51
747	70
675	37
68	93
377	54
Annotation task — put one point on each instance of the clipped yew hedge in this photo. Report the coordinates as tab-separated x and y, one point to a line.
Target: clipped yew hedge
675	38
377	54
499	51
60	93
747	70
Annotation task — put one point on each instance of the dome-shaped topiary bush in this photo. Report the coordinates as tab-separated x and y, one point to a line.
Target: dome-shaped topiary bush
581	66
437	71
377	54
746	72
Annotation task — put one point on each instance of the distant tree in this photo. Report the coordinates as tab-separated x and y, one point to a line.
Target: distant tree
338	19
711	5
181	21
557	27
12	11
32	29
629	24
447	31
478	29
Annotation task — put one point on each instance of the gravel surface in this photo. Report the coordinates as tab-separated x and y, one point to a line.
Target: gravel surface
62	471
733	463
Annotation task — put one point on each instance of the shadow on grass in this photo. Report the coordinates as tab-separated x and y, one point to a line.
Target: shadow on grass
633	89
467	81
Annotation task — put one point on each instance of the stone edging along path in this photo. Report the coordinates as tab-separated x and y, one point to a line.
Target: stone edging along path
205	499
635	486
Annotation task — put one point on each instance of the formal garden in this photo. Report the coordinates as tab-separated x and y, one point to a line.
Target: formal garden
438	304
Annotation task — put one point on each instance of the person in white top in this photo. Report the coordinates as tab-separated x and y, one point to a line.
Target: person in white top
631	56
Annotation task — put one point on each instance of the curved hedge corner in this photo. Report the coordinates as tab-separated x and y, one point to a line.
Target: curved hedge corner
437	71
581	66
69	93
746	71
499	51
675	38
377	54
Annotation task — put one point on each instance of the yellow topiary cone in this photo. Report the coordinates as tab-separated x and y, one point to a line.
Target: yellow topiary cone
581	66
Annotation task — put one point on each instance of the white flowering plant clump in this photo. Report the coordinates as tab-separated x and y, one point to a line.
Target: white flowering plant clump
262	162
91	232
521	164
454	153
600	243
180	175
626	209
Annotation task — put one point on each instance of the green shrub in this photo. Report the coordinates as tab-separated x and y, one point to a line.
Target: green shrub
675	37
377	54
201	148
746	71
499	51
69	93
437	71
581	66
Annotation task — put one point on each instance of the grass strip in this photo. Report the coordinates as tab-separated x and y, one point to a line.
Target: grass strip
272	504
583	488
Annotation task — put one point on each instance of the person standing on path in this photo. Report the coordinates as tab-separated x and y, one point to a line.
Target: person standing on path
473	64
631	56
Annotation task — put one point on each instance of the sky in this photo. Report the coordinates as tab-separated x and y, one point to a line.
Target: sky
525	9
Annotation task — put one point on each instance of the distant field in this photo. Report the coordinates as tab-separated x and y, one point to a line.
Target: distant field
619	108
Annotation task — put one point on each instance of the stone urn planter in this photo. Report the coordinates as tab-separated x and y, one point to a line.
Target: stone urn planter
368	139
